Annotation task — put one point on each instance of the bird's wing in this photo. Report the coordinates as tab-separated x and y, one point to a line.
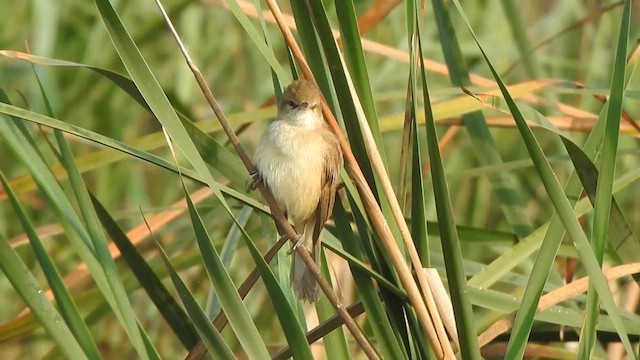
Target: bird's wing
330	182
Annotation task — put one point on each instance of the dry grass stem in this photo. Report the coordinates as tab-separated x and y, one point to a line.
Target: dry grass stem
557	296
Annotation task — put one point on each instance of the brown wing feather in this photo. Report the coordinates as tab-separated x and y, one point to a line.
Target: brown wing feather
331	180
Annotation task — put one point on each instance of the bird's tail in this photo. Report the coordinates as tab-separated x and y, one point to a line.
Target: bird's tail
303	282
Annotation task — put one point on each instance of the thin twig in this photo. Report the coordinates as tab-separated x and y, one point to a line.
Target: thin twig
276	212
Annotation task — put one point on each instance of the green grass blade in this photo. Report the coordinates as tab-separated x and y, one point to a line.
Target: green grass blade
259	42
208	333
27	286
448	235
293	332
22	144
237	313
92	136
226	255
223	160
527	246
154	96
129	321
519	33
504	184
118	79
602	207
389	346
559	315
158	293
418	200
355	61
562	206
621	237
336	346
130	150
68	308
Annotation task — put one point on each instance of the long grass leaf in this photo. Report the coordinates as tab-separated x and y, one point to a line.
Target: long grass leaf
211	338
448	236
239	318
158	294
355	61
68	308
135	333
602	207
27	286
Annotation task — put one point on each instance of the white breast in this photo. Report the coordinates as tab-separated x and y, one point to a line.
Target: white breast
290	159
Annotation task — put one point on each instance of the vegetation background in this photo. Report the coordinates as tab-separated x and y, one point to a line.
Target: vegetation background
558	59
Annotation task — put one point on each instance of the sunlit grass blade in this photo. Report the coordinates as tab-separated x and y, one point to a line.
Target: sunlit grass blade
158	294
497	269
64	300
90	135
504	184
559	315
118	79
211	338
141	148
621	237
220	157
124	148
552	236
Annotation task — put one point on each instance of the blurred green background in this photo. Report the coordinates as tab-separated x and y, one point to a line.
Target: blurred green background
580	38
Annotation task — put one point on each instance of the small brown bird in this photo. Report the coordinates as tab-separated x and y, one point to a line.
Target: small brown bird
299	159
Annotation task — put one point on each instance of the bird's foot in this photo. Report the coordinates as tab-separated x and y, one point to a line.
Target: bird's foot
298	242
254	179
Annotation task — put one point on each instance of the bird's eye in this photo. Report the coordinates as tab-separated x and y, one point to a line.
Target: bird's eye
291	103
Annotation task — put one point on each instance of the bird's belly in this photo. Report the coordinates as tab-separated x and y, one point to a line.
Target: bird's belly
295	179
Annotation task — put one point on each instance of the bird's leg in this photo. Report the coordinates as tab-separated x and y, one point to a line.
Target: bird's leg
298	241
254	179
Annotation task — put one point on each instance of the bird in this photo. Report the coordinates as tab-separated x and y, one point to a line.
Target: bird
299	159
